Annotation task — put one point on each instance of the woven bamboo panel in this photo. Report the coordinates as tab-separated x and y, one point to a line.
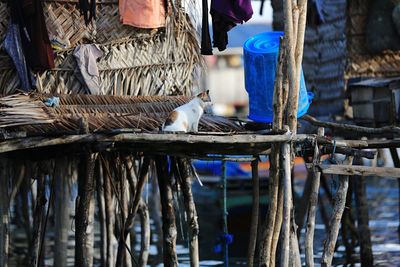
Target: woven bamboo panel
135	61
360	63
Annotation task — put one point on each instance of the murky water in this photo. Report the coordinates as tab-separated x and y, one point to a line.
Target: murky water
383	211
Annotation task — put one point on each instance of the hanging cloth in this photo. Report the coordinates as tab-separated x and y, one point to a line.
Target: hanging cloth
225	15
206	48
13	46
88	10
37	48
238	11
147	14
86	58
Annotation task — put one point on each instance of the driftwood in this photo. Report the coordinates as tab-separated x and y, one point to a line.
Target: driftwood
338	208
386	172
254	213
83	258
312	206
168	213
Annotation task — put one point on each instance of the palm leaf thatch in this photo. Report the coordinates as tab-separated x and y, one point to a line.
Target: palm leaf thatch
28	113
135	61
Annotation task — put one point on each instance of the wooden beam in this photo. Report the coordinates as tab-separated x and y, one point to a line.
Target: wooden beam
386	172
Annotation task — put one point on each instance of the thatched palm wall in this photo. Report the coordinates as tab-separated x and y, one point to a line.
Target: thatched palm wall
135	62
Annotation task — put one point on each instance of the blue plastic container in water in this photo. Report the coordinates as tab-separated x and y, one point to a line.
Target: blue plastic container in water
260	59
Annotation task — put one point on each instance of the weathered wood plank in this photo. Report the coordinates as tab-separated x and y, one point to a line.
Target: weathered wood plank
386	172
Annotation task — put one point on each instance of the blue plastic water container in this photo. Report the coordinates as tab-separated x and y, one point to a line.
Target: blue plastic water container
260	59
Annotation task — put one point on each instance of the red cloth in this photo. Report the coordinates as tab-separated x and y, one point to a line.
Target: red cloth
146	14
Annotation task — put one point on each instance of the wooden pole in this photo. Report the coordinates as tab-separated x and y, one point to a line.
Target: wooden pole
4	223
358	170
145	234
168	213
225	213
38	220
396	162
364	233
254	213
334	224
287	203
109	213
102	212
265	251
83	258
191	213
61	212
312	206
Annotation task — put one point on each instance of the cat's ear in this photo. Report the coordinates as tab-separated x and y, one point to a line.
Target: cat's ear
204	95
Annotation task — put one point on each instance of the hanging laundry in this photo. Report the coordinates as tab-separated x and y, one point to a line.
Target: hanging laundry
38	51
88	10
146	14
13	46
206	48
225	15
86	58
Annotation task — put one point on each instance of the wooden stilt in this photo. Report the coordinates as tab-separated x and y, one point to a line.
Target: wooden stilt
102	212
396	162
186	185
4	223
145	234
38	218
287	204
109	212
61	212
338	208
83	258
312	206
346	222
364	233
168	213
254	213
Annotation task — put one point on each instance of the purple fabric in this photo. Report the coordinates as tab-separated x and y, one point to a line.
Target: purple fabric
236	10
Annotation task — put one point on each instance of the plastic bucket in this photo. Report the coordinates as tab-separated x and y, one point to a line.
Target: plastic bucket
260	59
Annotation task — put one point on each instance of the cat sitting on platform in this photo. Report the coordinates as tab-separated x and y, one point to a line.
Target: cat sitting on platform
186	118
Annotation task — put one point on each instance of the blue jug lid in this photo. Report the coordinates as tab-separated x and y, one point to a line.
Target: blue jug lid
266	42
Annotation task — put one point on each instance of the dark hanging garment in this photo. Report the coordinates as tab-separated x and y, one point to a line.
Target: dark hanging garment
14	41
206	48
13	46
225	15
38	51
220	25
88	10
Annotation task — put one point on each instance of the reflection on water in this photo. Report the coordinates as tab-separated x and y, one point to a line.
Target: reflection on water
383	211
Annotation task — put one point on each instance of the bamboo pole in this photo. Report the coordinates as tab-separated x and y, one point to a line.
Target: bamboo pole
225	244
312	207
254	213
145	234
191	213
4	223
334	224
168	213
287	203
61	213
83	257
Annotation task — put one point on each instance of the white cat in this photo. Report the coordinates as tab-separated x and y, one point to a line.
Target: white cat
186	118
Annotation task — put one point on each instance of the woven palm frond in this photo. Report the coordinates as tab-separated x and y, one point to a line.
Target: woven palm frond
135	61
28	113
